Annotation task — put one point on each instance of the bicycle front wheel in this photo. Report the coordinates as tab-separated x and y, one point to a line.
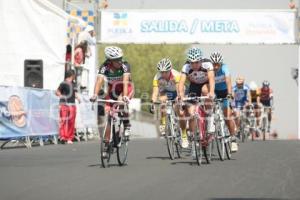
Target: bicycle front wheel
228	148
106	147
170	138
207	151
198	146
220	142
122	145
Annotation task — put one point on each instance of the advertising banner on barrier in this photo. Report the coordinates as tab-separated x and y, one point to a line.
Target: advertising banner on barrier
27	112
198	26
86	113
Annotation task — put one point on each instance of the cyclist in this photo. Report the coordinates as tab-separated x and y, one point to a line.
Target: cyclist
266	98
199	72
255	101
117	74
223	89
241	97
165	87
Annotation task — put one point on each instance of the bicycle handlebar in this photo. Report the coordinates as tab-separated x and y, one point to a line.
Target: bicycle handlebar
110	101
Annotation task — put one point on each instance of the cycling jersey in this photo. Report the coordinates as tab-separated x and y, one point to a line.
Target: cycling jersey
265	93
221	85
265	96
220	78
197	78
167	85
240	95
115	78
253	95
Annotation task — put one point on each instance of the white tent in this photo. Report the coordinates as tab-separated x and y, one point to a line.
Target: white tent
32	29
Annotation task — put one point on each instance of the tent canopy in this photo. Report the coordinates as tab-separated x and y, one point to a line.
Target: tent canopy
32	29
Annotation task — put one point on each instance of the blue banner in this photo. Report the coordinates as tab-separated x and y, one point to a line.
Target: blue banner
28	112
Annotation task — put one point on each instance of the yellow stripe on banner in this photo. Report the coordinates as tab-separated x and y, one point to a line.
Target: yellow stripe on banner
85	13
91	19
73	12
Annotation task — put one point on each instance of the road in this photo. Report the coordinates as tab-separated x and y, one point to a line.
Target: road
260	170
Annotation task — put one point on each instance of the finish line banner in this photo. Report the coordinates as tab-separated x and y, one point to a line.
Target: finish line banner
27	112
198	26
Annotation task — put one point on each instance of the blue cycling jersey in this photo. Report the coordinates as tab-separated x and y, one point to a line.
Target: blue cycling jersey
220	78
240	95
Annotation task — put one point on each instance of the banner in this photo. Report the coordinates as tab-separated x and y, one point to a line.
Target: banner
86	116
198	26
27	112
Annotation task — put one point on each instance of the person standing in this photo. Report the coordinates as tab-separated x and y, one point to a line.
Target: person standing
80	54
67	94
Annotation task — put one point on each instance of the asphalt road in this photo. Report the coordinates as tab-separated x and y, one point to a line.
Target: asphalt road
260	170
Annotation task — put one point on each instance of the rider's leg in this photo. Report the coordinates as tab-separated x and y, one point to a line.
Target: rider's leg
237	118
190	111
229	120
182	124
269	115
257	110
163	99
108	125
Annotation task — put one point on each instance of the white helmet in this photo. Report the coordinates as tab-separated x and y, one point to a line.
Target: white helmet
194	54
252	86
216	58
113	52
164	65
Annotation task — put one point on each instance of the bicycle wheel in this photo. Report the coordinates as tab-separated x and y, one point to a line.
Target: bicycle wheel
227	145
122	144
178	140
220	143
242	131
264	127
106	147
170	138
207	151
157	120
197	145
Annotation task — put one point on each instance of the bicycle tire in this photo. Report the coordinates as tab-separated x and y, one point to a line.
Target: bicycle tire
207	152
220	145
122	145
170	140
105	148
197	145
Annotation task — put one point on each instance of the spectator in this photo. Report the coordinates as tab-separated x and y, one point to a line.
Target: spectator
68	59
87	35
79	60
67	94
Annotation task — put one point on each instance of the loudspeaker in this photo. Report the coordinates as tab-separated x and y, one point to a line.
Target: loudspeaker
33	73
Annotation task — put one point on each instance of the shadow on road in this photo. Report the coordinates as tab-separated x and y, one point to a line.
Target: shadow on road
158	157
246	199
109	166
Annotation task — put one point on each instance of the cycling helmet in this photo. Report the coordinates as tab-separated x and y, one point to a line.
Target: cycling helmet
112	53
216	58
194	54
266	83
164	65
252	86
240	80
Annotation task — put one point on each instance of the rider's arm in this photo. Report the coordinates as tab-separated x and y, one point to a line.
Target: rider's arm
249	97
155	94
181	85
98	85
211	81
126	79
